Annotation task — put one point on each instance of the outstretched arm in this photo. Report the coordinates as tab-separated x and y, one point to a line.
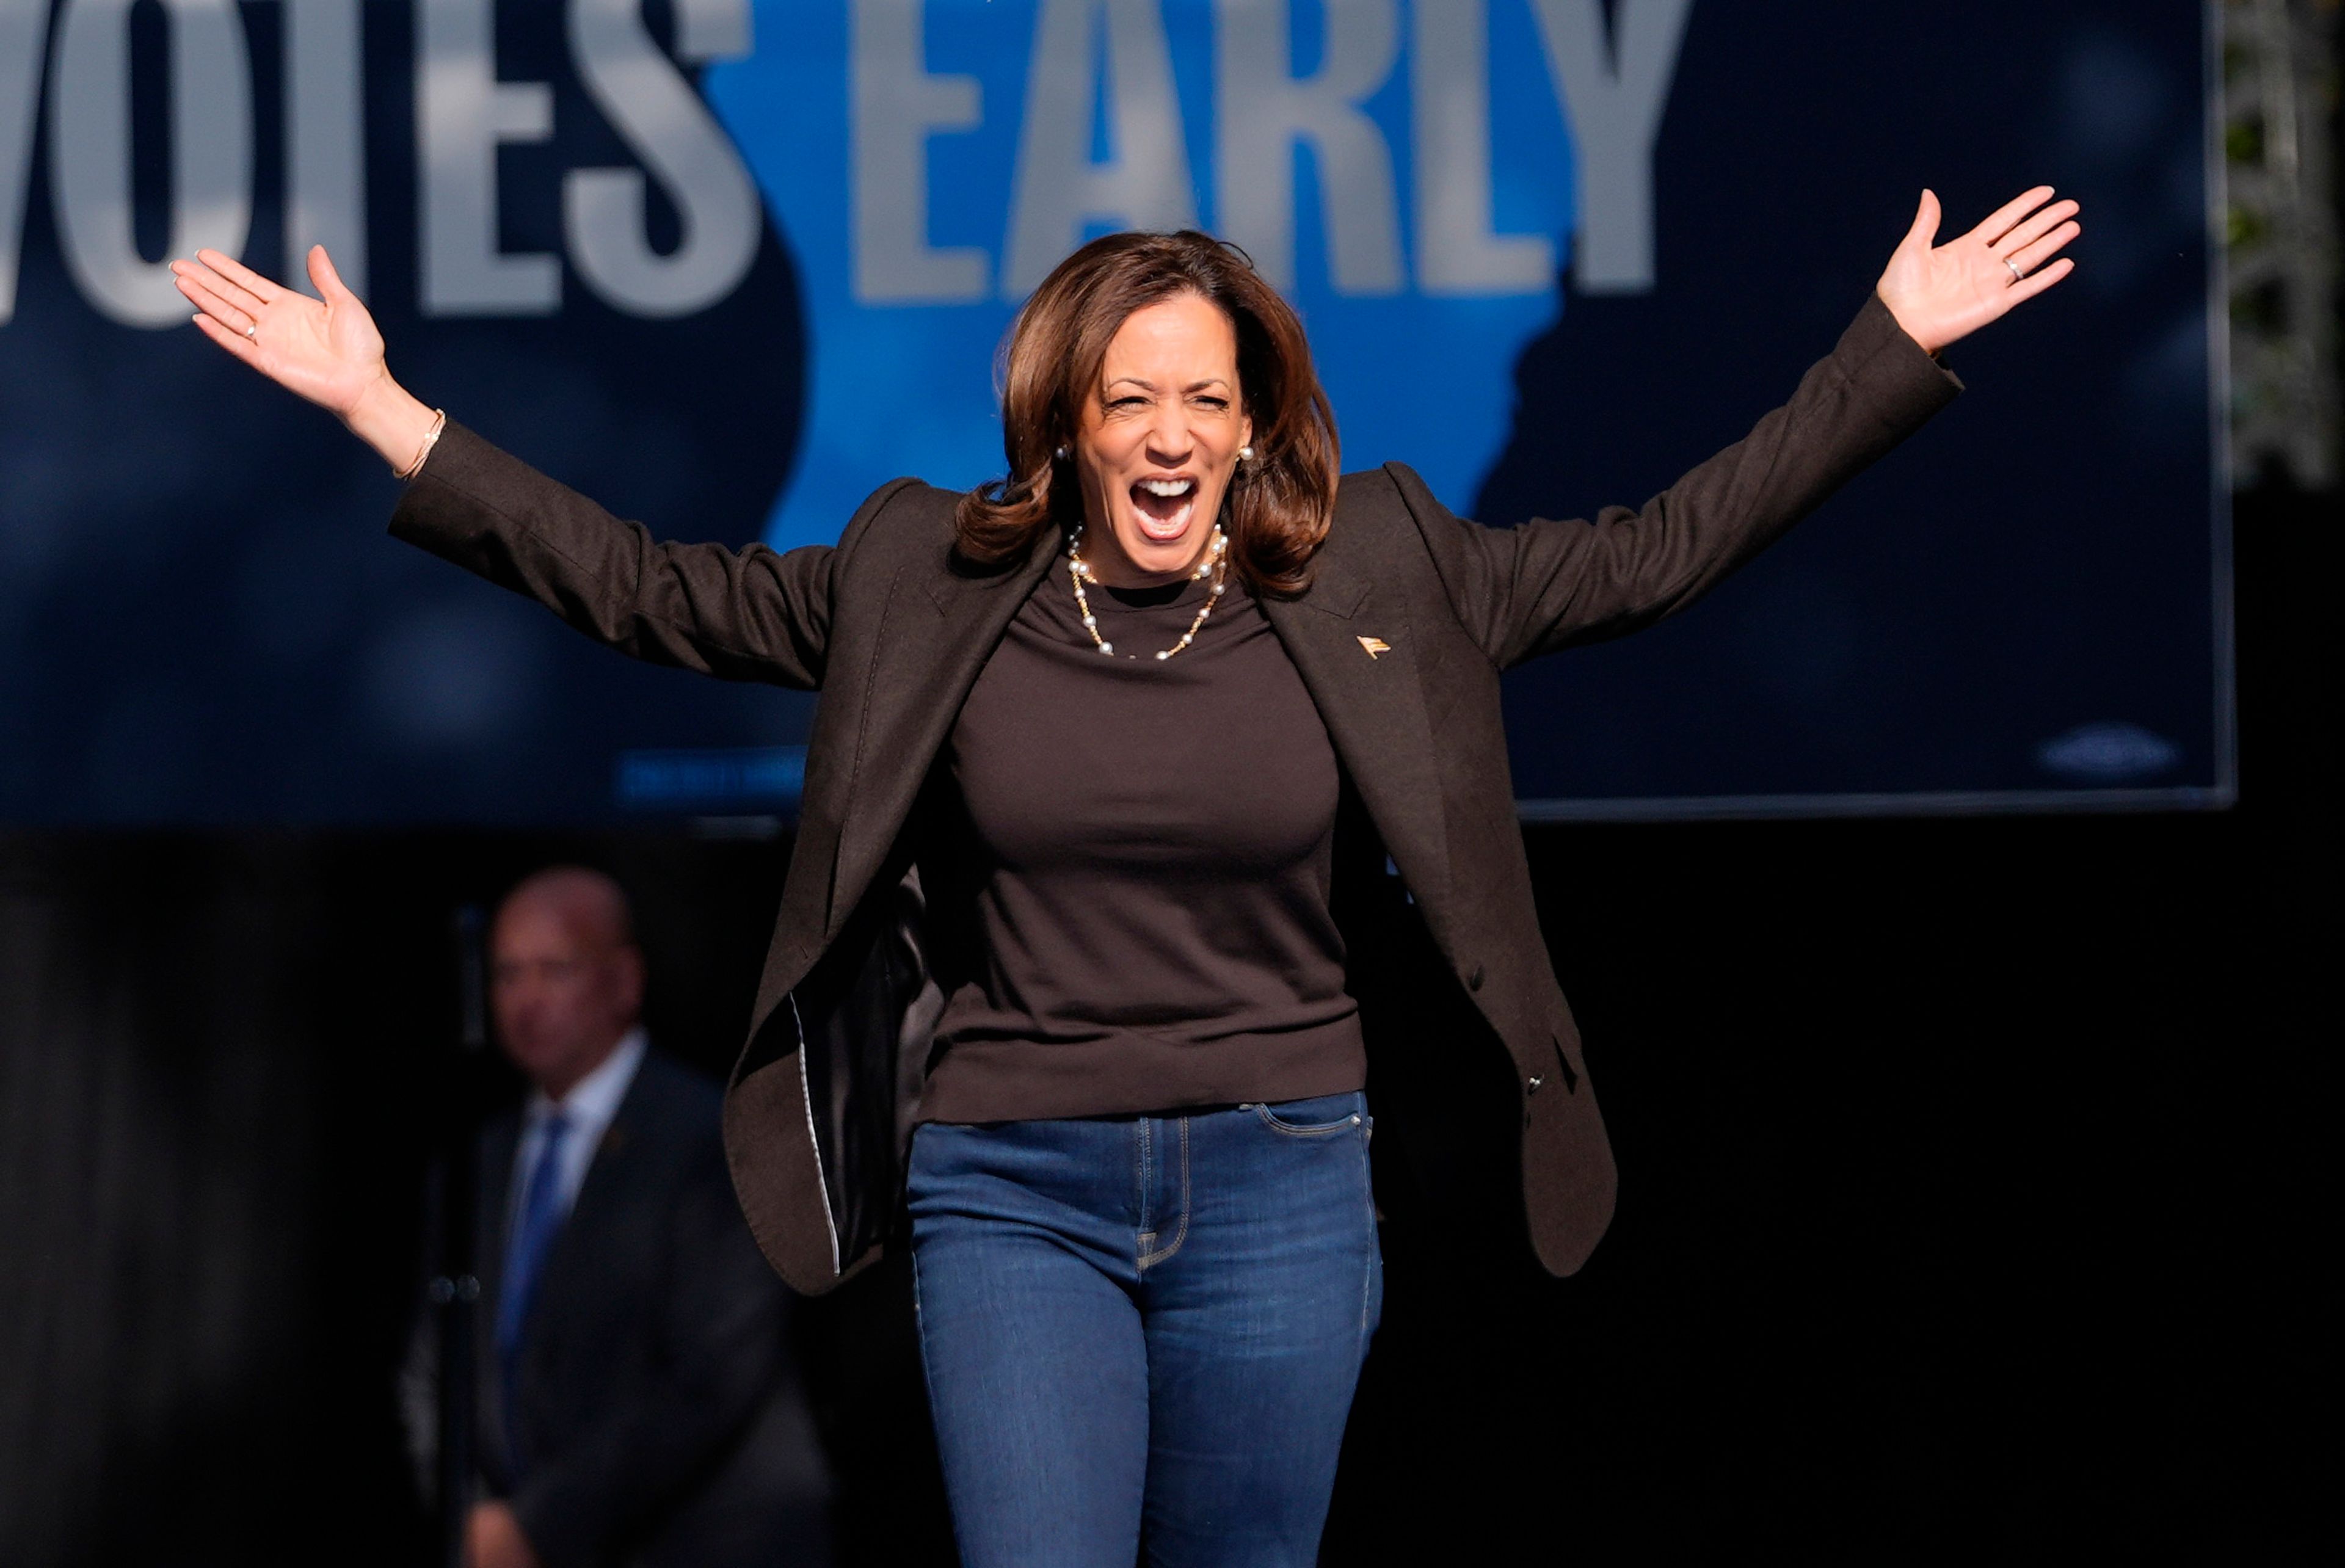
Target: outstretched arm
747	614
1548	585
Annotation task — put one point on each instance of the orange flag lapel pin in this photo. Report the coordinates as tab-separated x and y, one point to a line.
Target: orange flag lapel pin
1374	645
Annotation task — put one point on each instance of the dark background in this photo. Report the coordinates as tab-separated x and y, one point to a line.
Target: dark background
1975	1199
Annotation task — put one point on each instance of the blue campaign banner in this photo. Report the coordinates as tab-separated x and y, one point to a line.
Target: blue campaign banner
727	266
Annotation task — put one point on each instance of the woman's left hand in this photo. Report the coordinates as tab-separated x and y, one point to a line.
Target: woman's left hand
1942	293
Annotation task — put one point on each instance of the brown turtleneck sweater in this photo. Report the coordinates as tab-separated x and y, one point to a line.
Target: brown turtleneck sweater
1129	909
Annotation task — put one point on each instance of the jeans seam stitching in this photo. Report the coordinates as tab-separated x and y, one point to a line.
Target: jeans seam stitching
1143	1175
921	1328
1180	1232
1294	1129
1367	1275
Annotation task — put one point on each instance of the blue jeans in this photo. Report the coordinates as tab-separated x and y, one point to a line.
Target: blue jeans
1144	1328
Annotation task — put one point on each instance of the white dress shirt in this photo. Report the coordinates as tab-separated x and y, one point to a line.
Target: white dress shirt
588	1108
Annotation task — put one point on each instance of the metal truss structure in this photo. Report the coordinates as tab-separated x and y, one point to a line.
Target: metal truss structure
2280	126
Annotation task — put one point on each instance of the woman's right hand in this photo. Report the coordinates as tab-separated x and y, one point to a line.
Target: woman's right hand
327	349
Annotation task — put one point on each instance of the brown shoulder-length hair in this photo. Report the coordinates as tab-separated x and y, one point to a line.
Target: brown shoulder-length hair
1279	502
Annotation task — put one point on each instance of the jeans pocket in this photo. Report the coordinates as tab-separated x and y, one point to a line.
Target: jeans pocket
1320	1117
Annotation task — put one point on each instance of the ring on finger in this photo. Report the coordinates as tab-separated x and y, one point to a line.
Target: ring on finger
2016	275
252	330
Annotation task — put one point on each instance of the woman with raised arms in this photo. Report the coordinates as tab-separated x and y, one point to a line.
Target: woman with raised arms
1156	815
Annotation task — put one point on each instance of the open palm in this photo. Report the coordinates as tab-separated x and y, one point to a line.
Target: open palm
1942	293
327	349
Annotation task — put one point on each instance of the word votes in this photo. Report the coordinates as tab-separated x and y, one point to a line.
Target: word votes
462	113
1093	65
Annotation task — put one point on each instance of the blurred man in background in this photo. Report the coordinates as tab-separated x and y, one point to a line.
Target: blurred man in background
632	1407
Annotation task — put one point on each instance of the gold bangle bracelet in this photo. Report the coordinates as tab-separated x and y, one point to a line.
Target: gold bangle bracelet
431	439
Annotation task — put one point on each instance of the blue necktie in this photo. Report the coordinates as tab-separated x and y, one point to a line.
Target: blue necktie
532	1235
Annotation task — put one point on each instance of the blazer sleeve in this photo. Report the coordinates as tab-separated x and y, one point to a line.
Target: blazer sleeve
751	614
1548	585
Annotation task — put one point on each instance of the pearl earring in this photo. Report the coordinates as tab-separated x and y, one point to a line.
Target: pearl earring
1245	454
1061	454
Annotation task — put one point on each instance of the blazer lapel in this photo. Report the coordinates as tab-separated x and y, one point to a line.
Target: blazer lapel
492	1185
608	1177
939	636
1358	661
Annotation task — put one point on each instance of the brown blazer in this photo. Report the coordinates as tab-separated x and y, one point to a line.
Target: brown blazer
1473	1060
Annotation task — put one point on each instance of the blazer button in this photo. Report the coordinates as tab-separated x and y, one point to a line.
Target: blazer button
1474	978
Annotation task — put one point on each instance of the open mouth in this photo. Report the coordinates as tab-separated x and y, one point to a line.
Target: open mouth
1162	506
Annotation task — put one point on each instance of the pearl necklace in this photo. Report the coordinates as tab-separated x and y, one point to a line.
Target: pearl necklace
1216	562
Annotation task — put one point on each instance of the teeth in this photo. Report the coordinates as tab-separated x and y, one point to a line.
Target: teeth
1166	487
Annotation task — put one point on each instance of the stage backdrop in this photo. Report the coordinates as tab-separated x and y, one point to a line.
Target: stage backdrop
728	265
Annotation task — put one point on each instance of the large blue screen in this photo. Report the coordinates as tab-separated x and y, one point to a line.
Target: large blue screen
728	265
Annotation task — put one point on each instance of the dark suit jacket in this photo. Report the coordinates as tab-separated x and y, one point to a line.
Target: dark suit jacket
1472	1048
655	1342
